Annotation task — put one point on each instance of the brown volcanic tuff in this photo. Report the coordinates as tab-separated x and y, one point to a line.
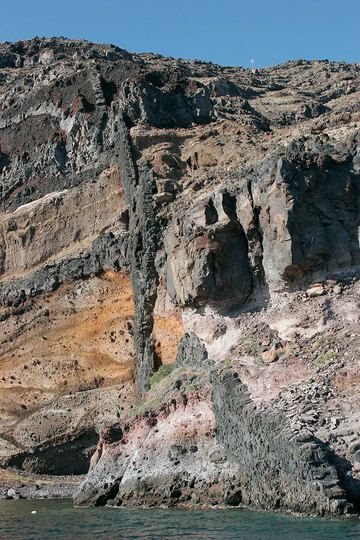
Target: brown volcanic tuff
157	208
72	341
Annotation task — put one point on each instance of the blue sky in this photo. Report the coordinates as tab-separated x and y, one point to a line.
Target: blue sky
227	32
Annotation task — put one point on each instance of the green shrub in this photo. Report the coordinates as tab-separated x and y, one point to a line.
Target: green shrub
149	405
190	388
160	374
326	357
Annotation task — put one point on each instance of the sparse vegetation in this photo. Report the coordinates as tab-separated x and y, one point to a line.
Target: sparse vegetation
149	405
190	388
160	374
325	358
163	388
248	344
227	363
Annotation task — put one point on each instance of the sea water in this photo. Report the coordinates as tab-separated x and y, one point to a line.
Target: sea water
58	519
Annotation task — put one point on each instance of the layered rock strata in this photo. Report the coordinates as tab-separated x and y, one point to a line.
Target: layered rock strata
158	212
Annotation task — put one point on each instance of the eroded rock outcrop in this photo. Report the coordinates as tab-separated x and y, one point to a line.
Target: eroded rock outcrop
280	469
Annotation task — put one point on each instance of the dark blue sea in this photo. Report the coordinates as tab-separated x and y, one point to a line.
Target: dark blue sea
58	519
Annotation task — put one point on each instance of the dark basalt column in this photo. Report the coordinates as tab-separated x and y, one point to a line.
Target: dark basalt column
139	187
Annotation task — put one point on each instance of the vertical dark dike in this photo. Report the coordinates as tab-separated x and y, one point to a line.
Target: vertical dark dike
139	185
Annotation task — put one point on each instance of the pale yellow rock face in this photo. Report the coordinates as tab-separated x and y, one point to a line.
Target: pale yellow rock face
59	224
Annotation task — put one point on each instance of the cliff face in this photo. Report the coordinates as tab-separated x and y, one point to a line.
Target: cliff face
199	222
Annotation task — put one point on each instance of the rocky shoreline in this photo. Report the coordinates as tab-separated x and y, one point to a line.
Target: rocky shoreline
16	484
